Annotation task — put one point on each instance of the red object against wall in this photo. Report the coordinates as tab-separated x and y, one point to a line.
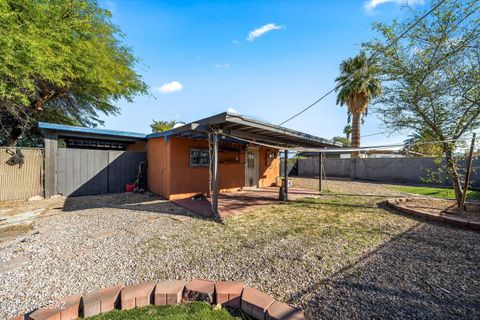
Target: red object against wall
130	187
170	175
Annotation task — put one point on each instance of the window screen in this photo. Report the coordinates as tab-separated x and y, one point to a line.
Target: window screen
199	157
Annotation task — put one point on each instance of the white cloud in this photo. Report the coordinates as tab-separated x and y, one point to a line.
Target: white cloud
262	30
372	4
222	65
169	87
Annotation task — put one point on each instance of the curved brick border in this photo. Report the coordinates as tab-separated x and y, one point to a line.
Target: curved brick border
399	204
255	303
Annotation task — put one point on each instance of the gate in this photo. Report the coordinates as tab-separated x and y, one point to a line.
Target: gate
90	172
22	180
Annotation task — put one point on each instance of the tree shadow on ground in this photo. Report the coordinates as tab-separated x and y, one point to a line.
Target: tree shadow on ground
430	271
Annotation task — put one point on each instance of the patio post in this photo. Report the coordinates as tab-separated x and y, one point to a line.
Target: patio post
215	176
320	171
286	174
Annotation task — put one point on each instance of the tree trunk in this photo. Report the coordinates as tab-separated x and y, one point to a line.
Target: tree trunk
356	133
453	174
15	132
17	127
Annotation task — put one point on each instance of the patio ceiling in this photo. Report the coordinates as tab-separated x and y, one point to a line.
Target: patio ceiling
245	129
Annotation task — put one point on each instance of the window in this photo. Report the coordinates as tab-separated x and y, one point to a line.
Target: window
199	158
250	160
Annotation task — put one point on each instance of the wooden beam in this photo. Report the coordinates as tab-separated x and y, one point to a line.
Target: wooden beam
467	174
215	177
286	174
320	171
250	136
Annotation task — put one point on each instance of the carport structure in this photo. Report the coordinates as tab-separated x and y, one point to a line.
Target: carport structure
89	161
235	128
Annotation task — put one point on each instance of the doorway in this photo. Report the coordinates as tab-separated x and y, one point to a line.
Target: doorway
251	168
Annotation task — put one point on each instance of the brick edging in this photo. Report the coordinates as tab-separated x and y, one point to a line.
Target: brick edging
233	294
396	203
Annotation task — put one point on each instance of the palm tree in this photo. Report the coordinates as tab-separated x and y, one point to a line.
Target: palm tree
347	131
357	85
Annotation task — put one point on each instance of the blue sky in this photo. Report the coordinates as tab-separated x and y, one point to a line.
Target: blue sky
267	59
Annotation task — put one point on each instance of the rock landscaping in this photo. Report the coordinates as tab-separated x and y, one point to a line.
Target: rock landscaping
343	255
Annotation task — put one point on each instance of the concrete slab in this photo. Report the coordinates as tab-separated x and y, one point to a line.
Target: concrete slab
233	203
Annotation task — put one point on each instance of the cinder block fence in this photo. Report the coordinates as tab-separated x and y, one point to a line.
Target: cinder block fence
389	170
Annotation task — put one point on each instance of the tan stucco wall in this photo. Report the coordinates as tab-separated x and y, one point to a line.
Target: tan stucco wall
170	174
269	167
139	146
158	150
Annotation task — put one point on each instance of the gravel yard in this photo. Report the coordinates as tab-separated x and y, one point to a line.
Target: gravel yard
336	256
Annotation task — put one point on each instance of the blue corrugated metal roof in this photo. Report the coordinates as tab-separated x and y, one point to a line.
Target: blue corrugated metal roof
65	128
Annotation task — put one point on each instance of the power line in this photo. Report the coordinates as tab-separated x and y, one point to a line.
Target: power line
344	149
374	56
373	134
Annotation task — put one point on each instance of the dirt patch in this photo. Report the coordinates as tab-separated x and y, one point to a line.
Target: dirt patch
441	207
346	187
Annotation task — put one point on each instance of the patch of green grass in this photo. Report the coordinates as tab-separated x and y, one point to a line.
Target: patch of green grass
444	193
297	240
336	225
187	311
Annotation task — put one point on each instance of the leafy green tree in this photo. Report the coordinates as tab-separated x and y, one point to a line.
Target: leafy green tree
61	61
345	141
432	76
357	85
161	125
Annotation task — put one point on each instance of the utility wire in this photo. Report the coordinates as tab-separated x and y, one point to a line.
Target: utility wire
373	134
374	56
345	149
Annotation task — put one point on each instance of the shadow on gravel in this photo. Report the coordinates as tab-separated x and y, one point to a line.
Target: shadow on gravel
429	271
147	203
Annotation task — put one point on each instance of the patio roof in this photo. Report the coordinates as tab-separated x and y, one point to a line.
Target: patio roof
245	129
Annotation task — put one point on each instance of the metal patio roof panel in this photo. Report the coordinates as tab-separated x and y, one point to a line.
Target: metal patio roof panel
82	131
243	127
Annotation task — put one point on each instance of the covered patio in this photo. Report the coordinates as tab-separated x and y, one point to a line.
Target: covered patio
250	133
233	203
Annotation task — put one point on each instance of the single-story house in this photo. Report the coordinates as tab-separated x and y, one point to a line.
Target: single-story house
221	153
248	155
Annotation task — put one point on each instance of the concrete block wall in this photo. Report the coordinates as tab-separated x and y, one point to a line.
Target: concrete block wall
390	170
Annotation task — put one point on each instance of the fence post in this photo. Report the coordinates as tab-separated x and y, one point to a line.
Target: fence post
50	180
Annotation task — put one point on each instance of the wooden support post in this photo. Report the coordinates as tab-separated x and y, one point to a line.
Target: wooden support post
467	174
50	176
286	175
320	171
215	176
